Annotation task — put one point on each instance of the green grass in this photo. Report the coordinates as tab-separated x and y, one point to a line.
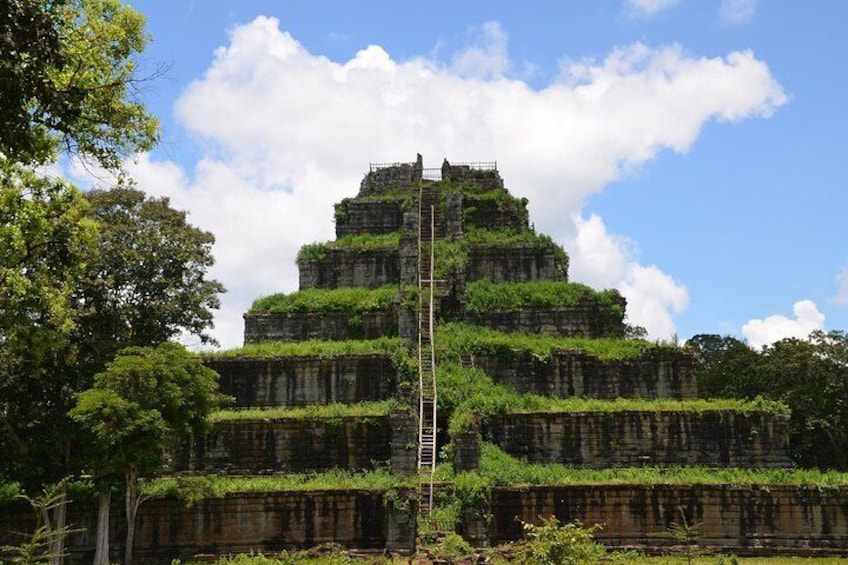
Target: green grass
479	237
336	410
485	296
199	487
454	337
360	242
452	256
466	393
314	348
499	469
343	300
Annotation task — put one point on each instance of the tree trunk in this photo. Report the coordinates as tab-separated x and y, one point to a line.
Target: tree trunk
60	516
54	516
131	507
101	554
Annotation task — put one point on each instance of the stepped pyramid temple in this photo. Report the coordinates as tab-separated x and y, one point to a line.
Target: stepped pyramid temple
438	372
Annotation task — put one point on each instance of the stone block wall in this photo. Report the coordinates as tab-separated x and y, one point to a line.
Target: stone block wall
404	443
246	447
336	326
397	177
740	519
482	180
240	523
354	216
347	268
657	374
587	320
632	439
487	213
513	264
300	381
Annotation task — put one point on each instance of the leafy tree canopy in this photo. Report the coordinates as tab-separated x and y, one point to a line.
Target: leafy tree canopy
147	282
810	376
45	237
145	397
69	83
139	405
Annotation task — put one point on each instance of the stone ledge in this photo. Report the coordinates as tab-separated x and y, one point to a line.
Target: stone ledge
168	529
744	519
304	380
709	438
335	326
575	373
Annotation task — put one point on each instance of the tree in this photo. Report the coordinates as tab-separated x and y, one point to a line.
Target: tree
810	376
69	83
727	367
143	401
147	282
45	236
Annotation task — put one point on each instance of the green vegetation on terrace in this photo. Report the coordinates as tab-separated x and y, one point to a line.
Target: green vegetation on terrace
313	348
194	488
372	409
359	242
499	469
478	237
199	487
466	393
457	338
485	296
495	209
345	300
451	255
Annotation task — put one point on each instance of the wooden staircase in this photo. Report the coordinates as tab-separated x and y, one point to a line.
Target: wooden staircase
428	203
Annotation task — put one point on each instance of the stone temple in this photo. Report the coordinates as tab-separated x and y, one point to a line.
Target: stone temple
437	336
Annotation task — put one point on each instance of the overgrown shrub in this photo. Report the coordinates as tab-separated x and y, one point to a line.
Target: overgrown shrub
554	543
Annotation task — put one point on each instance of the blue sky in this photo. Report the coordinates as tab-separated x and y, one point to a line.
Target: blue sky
686	152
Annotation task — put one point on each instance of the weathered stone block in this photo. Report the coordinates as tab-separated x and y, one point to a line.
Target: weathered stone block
513	264
300	381
167	529
746	519
508	213
657	374
355	216
404	443
334	326
288	445
347	268
709	438
589	320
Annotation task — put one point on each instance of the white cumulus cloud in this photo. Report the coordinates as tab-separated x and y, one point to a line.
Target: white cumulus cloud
763	332
735	12
286	133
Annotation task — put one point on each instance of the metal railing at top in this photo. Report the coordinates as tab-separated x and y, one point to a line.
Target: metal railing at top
377	166
478	165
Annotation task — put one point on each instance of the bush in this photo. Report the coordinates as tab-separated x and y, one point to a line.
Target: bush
554	543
